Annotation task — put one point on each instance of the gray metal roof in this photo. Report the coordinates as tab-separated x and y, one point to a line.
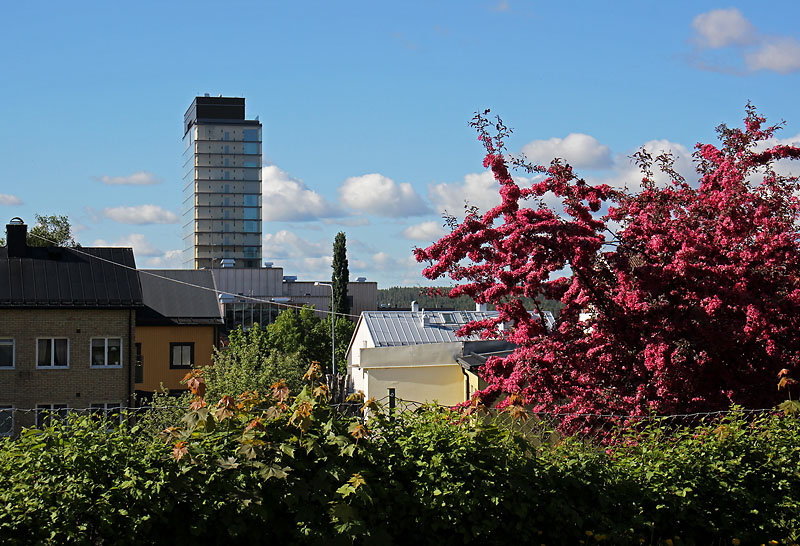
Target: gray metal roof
395	328
86	277
170	302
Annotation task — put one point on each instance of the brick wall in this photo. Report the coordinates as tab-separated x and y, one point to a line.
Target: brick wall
79	385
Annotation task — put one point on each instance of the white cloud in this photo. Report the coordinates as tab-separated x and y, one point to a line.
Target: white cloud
141	246
141	214
579	150
289	199
728	28
141	178
347	222
627	174
287	244
9	200
381	196
424	231
722	28
171	259
777	54
478	189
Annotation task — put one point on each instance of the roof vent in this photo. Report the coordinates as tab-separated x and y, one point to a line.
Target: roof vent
481	307
361	279
267	264
225	298
227	262
206	95
289	278
414	307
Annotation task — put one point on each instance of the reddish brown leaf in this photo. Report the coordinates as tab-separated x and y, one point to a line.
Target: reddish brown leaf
179	450
280	391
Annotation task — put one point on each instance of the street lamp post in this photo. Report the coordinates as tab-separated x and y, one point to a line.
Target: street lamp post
333	325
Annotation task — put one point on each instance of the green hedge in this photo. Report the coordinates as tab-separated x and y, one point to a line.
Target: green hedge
298	472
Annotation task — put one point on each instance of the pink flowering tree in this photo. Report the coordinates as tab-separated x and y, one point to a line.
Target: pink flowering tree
680	298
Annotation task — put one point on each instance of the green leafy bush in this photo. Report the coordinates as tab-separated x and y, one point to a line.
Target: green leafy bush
271	467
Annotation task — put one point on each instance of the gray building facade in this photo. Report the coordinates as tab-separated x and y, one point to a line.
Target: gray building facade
221	184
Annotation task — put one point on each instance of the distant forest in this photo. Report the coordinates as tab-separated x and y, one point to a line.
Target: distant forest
400	297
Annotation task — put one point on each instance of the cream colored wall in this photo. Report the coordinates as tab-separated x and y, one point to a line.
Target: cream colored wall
422	373
443	384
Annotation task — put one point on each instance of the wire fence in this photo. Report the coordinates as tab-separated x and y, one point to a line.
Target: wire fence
538	428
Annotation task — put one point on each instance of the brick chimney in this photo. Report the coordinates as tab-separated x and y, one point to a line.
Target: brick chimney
16	238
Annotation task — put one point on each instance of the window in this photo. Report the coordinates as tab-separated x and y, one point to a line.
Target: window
6	420
6	352
251	226
106	352
52	352
181	355
46	413
250	134
251	148
111	411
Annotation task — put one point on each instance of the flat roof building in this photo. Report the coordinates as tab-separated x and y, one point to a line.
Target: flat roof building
221	184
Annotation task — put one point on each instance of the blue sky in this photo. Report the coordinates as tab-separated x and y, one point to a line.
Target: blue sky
365	107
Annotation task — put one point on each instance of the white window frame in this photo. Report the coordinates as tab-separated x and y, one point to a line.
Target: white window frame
10	409
105	353
105	408
41	408
52	366
3	341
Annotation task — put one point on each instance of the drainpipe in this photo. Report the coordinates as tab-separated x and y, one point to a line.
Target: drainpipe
131	345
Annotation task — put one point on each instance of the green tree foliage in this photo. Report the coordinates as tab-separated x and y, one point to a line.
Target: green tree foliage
247	364
283	469
341	274
50	231
400	297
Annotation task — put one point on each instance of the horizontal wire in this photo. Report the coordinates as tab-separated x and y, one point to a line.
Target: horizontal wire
249	298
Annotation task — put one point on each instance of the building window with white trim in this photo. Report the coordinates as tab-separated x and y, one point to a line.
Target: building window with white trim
106	352
52	352
6	420
46	413
6	352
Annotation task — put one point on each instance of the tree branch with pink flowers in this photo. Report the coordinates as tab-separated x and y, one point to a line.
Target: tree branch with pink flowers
677	298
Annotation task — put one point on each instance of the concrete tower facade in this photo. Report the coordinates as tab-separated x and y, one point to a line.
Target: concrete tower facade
221	185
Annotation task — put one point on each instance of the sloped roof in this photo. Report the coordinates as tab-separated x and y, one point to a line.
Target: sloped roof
397	328
182	302
56	277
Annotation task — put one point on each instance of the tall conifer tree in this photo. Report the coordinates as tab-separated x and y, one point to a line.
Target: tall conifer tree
341	274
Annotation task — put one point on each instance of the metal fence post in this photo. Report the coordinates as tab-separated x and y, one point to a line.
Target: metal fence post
392	404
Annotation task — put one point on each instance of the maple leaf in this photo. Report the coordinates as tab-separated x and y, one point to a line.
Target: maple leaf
255	423
357	396
197	403
280	391
301	417
321	391
357	431
180	450
313	372
197	385
225	408
356	480
370	404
